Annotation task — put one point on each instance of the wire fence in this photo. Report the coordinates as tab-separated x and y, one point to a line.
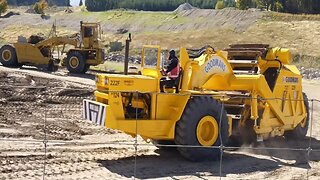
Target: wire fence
45	137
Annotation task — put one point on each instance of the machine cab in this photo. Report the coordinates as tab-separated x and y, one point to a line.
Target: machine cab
91	35
152	61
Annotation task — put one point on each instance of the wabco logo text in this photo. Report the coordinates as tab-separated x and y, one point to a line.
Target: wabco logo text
290	80
215	63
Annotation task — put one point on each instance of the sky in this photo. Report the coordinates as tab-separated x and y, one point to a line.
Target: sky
75	2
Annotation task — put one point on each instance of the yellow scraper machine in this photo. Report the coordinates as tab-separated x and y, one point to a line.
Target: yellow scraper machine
245	91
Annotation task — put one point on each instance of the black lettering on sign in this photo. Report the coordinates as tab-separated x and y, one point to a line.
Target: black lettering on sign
114	83
128	82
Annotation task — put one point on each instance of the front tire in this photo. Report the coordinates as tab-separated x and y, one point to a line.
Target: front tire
8	56
86	68
200	125
75	62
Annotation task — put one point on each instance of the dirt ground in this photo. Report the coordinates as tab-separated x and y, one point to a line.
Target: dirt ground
36	105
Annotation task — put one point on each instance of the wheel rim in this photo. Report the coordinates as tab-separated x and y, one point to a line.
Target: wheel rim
6	55
207	131
74	62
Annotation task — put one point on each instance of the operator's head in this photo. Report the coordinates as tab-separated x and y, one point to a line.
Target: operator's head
172	52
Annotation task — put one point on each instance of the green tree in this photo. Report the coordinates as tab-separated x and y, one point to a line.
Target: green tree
245	4
278	7
230	3
147	5
219	5
272	5
262	4
80	3
40	6
292	6
3	6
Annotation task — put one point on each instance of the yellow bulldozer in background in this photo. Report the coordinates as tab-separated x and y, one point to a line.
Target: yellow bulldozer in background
245	91
86	50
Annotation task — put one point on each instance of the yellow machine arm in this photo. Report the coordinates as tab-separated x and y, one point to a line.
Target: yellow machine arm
56	41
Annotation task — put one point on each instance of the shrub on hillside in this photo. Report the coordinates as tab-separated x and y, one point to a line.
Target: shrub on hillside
219	5
245	4
3	6
115	46
40	6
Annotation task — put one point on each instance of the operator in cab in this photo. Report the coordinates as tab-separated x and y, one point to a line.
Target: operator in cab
171	73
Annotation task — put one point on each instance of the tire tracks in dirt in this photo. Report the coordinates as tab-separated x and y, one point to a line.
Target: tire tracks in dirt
59	162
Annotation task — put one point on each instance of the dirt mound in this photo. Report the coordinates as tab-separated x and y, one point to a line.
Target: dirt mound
30	11
184	7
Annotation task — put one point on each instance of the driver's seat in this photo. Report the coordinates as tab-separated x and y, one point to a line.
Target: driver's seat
177	82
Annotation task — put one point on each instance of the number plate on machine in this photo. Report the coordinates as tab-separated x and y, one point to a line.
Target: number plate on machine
94	111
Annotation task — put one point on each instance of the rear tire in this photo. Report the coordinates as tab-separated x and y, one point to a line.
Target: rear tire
8	56
75	62
200	126
300	131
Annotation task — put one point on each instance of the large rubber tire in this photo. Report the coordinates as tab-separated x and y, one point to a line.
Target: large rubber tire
8	56
301	129
86	68
198	109
75	62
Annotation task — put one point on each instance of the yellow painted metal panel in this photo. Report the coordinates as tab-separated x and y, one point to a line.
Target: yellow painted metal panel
127	83
29	53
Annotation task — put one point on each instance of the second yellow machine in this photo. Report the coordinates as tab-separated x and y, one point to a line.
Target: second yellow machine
86	50
248	91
